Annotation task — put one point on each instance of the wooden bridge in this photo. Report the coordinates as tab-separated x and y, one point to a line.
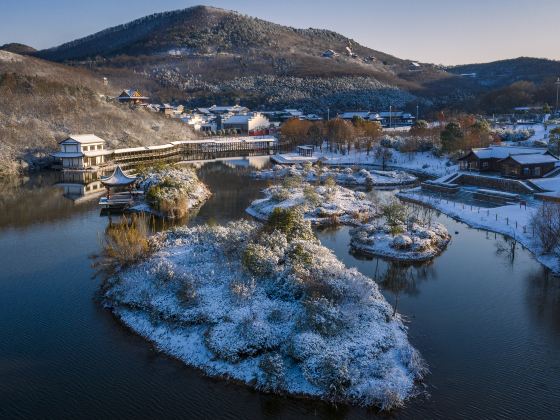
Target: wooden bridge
194	150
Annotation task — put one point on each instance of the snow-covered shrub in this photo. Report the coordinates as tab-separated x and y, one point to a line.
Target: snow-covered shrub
186	292
279	193
292	181
322	316
311	195
259	260
330	371
242	288
291	223
164	271
273	372
402	242
509	134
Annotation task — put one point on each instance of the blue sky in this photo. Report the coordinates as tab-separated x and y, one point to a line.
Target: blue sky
438	31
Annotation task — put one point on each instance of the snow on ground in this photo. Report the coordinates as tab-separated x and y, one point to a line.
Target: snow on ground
539	132
322	205
171	191
342	176
511	220
419	162
9	57
292	158
286	317
419	242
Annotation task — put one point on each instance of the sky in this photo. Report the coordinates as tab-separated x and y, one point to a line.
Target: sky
434	31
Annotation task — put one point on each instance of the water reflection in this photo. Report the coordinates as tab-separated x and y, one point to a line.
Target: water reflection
484	315
543	298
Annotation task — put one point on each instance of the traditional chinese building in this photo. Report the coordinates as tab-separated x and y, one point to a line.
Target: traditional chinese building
132	96
81	151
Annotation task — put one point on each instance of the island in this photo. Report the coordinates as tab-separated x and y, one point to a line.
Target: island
266	305
347	176
400	234
323	205
170	191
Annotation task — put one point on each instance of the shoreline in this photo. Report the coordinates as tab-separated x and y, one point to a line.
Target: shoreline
549	261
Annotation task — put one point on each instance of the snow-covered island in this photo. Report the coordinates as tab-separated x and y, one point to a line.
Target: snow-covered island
343	176
416	242
171	191
270	307
401	233
328	204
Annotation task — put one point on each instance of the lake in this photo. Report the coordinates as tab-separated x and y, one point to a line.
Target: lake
485	316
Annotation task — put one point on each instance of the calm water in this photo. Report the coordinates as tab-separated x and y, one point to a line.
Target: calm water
485	317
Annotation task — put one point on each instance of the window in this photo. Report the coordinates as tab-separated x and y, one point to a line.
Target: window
485	165
537	171
526	171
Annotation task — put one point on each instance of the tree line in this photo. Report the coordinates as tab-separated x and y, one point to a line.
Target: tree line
459	133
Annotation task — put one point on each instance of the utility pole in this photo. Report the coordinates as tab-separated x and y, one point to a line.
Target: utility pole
557	87
328	114
390	116
417	112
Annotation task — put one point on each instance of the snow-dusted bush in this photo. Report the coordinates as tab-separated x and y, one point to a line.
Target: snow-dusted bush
323	316
402	242
509	134
273	372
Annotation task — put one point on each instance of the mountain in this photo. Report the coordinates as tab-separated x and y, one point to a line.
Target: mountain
18	48
204	55
41	102
500	86
210	54
502	73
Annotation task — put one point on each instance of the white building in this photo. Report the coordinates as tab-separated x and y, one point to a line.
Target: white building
351	114
247	123
227	109
81	151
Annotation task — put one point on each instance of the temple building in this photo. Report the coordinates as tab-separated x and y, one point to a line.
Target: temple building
81	151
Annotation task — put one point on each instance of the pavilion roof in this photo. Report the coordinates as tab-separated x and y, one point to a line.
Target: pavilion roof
118	178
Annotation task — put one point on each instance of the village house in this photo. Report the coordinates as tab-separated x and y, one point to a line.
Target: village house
395	118
510	161
132	96
312	117
351	114
227	109
81	151
251	123
167	110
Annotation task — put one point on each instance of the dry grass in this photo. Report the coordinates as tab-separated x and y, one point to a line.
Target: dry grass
41	103
124	244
